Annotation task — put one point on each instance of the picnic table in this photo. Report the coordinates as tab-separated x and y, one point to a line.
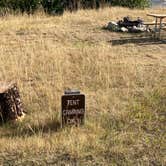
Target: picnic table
158	27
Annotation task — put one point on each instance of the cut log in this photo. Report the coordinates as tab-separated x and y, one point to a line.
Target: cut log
10	103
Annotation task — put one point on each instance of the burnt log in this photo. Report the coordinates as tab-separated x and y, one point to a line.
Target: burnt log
11	107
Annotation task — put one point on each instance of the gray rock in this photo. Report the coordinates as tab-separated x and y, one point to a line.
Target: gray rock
113	26
123	29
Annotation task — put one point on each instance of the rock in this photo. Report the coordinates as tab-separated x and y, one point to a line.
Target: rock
113	26
137	29
123	29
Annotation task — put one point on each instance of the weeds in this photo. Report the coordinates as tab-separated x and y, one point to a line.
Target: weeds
124	87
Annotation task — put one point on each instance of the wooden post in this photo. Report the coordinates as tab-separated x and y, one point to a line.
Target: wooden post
10	103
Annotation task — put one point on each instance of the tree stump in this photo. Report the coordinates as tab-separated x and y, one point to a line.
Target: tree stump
10	103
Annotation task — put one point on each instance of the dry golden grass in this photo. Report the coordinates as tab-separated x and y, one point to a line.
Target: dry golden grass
125	87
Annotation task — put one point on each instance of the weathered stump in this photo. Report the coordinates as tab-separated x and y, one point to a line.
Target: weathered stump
10	103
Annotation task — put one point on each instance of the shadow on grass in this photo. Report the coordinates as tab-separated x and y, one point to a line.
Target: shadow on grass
137	40
25	129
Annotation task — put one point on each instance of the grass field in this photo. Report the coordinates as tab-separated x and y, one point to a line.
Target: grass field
124	84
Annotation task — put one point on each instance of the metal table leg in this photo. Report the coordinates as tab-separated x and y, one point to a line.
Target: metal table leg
155	31
160	26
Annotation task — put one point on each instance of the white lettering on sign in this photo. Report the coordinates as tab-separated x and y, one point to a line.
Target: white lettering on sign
73	112
73	102
73	121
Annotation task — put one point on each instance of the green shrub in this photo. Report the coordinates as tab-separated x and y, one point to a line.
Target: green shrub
131	3
53	6
28	6
58	6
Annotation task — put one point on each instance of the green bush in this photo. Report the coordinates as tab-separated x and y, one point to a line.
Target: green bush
58	6
131	3
53	6
28	6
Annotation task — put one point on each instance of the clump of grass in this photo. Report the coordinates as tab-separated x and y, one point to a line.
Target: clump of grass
141	129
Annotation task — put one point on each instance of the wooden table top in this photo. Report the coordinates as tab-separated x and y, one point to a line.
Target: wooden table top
157	15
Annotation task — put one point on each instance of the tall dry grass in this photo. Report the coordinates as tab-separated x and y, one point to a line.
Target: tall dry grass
125	87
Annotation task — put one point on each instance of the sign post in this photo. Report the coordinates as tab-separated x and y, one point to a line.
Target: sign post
73	108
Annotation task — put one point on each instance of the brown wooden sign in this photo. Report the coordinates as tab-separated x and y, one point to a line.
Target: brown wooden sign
73	108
